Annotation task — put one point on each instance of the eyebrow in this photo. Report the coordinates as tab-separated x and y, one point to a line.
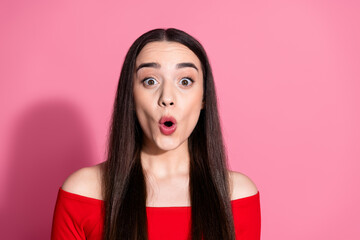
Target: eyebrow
186	64
157	65
151	64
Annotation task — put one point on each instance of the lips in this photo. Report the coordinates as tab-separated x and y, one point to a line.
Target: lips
167	125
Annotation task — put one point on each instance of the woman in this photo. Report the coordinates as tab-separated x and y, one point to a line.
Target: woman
166	173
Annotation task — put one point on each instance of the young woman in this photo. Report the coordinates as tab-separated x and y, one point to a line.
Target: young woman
166	174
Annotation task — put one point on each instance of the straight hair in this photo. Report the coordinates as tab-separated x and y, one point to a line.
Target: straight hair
124	185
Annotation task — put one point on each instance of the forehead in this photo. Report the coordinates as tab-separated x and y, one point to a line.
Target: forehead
166	52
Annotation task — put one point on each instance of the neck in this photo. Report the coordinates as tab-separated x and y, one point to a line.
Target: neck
166	164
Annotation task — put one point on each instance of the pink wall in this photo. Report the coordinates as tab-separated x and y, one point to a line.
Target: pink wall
288	80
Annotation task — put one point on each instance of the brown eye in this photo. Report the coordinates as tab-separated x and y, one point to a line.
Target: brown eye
149	81
186	81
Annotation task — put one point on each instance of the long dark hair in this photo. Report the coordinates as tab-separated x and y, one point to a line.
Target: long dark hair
124	185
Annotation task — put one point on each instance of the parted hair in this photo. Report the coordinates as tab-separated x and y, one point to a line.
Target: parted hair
124	185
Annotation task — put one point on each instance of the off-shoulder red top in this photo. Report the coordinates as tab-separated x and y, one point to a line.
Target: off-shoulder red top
80	217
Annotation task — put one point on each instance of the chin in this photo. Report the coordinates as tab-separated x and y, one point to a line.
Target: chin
167	145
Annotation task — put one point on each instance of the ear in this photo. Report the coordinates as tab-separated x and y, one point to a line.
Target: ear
202	104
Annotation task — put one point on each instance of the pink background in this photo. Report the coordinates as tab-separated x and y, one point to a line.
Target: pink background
288	81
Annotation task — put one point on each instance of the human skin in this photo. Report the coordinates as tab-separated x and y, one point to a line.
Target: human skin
167	90
164	158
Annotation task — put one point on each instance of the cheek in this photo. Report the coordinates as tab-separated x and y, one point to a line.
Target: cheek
141	101
143	108
192	112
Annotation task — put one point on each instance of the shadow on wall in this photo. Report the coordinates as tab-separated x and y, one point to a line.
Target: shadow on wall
49	141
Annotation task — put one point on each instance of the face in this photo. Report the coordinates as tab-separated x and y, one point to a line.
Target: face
168	82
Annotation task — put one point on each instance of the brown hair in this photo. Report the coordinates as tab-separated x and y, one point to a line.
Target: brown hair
123	179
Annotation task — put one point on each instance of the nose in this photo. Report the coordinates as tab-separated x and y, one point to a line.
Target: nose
167	97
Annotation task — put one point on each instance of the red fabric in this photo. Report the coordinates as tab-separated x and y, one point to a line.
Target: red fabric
79	217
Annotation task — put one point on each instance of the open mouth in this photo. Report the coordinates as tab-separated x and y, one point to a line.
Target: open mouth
168	123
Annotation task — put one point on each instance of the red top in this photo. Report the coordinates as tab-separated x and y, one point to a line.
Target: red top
80	217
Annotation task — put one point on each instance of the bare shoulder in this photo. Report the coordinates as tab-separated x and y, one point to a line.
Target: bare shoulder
241	186
85	181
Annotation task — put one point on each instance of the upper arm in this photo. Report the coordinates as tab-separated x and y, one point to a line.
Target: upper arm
85	182
241	185
247	214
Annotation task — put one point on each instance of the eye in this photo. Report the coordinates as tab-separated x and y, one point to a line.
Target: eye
186	81
149	81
